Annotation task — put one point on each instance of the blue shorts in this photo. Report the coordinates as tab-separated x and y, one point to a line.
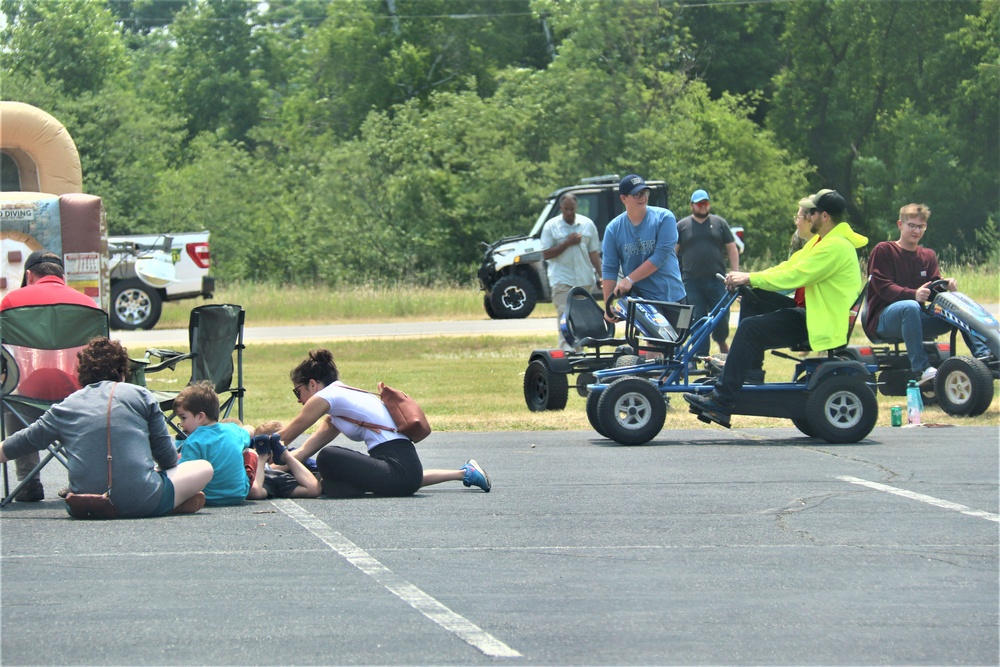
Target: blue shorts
166	505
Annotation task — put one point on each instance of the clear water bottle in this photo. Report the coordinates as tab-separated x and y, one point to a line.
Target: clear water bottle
914	402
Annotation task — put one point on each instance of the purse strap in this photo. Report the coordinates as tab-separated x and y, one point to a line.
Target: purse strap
378	428
110	397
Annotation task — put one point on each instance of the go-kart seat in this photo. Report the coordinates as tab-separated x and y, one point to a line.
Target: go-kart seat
585	325
857	309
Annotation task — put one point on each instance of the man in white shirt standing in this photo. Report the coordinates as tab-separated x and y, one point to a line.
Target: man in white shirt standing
572	252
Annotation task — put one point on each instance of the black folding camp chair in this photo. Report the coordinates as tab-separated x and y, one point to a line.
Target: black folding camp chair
39	361
215	333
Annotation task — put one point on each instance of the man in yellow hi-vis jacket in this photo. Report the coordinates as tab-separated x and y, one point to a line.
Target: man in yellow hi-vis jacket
827	280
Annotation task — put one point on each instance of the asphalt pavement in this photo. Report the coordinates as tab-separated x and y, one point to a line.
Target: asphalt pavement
753	546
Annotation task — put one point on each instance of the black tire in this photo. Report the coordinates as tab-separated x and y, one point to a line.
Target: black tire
592	416
543	389
632	411
512	297
582	380
964	387
488	307
804	427
134	305
841	409
628	360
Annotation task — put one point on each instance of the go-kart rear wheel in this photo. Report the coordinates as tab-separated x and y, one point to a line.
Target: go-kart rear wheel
841	408
964	386
628	360
582	380
543	389
804	427
593	398
632	411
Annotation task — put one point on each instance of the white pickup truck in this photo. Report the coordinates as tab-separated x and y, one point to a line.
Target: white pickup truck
148	269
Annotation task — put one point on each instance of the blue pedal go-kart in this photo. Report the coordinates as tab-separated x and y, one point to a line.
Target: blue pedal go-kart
828	397
964	384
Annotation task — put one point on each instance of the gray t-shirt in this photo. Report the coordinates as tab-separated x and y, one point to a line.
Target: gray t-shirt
139	442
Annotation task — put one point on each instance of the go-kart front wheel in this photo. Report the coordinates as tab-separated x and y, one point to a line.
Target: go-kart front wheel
841	409
964	386
631	411
593	398
543	389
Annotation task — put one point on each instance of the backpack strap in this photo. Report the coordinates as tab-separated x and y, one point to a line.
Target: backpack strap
378	428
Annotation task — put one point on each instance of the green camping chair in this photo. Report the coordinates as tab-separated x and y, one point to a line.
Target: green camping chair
215	333
39	360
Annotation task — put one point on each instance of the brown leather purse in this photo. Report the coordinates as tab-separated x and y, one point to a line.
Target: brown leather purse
408	417
95	505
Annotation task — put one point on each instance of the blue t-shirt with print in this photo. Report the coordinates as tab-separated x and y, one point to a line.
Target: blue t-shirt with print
627	246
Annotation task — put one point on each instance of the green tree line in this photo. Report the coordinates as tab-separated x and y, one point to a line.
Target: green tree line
381	141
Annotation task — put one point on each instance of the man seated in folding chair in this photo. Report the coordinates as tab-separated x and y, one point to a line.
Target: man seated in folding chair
43	283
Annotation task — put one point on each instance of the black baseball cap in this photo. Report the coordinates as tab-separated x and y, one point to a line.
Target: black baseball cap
39	257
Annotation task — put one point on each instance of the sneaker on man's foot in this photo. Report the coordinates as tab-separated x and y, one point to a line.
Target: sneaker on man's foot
32	493
474	474
191	505
927	376
708	408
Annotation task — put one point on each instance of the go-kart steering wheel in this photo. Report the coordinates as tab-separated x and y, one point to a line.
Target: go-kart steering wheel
745	290
608	303
938	286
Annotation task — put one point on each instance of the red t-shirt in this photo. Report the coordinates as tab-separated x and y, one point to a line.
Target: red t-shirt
47	291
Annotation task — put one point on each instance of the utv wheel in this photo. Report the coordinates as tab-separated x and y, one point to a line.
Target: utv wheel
964	387
488	307
593	398
632	411
134	305
543	389
841	409
513	297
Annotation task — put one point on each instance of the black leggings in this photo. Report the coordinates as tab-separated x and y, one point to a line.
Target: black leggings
390	469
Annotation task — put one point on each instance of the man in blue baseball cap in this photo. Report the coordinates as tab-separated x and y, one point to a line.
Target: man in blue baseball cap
640	245
704	243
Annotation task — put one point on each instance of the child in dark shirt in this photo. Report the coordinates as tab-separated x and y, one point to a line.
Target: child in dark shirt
297	482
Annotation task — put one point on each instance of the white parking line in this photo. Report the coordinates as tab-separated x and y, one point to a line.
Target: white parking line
930	500
404	590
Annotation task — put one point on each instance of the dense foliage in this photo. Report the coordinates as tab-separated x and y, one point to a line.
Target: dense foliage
378	141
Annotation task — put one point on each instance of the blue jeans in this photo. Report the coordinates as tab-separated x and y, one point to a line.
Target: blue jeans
703	293
907	320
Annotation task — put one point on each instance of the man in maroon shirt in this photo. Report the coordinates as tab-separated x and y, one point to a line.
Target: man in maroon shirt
901	272
43	284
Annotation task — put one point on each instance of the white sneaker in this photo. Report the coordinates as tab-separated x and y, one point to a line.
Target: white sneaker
928	375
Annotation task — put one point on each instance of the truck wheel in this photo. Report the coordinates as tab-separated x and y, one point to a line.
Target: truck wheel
841	409
632	411
134	305
964	386
512	297
593	399
543	389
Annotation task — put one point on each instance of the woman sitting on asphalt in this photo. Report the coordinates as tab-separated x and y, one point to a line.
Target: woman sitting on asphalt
139	440
390	468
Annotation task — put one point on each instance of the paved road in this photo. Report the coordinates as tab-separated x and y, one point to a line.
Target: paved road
703	547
